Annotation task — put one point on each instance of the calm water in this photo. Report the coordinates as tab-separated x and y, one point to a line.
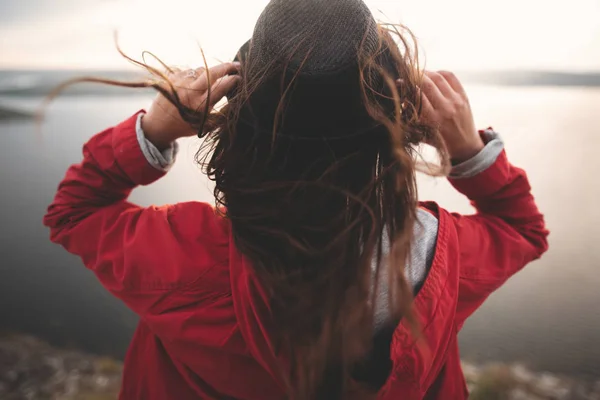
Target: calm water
547	316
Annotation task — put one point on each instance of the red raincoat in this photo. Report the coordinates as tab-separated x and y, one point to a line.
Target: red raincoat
204	324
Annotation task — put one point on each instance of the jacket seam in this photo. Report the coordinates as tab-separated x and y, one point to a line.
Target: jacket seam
438	258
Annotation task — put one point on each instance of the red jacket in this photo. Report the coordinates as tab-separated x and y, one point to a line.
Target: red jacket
204	323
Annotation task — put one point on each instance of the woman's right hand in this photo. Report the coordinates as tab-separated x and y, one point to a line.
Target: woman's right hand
163	124
446	105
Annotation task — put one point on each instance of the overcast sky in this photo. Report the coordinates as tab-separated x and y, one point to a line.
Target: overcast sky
457	34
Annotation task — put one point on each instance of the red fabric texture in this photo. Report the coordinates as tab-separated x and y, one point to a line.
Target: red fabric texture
204	330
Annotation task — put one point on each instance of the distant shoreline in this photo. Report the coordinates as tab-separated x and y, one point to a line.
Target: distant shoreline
533	78
9	114
29	83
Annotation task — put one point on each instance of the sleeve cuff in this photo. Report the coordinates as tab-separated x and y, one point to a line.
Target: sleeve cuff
483	160
162	161
488	182
129	156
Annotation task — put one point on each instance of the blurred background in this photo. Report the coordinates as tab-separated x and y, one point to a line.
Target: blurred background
531	68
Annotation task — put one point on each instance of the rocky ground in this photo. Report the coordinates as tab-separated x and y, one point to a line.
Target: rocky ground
33	370
516	382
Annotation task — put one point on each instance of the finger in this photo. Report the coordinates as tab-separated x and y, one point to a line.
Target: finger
427	110
432	92
171	72
181	83
169	83
179	73
453	81
222	87
215	73
179	80
441	83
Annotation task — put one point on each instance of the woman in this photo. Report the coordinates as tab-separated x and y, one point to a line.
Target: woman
319	275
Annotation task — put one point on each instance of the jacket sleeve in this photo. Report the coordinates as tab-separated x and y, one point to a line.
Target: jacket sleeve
138	254
505	234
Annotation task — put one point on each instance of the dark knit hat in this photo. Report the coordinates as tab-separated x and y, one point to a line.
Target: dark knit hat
313	44
327	32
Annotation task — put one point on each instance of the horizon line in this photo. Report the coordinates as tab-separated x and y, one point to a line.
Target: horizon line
456	70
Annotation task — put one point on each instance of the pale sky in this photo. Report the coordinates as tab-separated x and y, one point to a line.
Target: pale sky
456	34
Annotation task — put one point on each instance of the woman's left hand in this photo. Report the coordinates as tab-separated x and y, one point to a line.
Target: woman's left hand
446	105
163	124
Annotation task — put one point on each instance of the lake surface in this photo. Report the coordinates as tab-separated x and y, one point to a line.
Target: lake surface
548	316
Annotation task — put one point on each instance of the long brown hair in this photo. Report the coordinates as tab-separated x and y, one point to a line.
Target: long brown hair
309	211
310	214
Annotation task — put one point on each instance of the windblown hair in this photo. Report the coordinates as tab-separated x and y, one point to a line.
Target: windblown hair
309	210
310	214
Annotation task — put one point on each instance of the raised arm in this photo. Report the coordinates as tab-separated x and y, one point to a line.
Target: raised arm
137	253
507	231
